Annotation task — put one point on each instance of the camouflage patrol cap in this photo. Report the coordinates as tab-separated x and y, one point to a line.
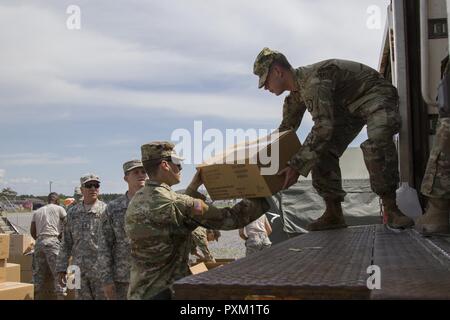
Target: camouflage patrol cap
132	164
158	150
263	62
89	177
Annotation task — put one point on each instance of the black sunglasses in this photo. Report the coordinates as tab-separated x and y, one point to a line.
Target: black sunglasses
90	185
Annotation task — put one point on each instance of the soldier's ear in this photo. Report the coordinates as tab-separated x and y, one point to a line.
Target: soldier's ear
165	166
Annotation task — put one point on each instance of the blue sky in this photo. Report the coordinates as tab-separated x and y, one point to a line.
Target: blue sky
78	101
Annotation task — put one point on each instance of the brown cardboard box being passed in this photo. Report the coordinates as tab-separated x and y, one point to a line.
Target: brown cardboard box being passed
249	170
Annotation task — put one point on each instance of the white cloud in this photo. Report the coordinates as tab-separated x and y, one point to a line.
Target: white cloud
119	142
77	146
32	159
2	175
178	56
171	58
22	181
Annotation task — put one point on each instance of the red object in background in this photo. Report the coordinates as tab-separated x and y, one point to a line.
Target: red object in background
28	205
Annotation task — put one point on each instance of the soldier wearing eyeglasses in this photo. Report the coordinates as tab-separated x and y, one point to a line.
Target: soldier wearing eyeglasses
80	239
159	223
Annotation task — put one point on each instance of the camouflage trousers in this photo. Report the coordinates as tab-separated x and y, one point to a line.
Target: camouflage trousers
380	155
44	268
121	290
256	243
436	181
91	287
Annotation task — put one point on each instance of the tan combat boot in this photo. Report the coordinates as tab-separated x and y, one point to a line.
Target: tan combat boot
333	218
394	217
435	219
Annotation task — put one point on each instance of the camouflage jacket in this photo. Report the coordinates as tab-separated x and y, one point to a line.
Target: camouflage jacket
80	237
113	243
326	88
200	240
160	222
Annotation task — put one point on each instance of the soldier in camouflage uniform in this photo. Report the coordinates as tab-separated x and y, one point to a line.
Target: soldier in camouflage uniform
80	240
114	246
436	181
46	226
342	97
160	222
200	239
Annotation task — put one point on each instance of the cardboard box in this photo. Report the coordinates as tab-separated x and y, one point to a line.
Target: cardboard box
198	268
20	244
4	246
26	276
218	263
2	274
26	266
25	261
12	272
249	170
16	291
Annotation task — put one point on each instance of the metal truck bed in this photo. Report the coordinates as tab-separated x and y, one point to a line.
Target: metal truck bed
332	265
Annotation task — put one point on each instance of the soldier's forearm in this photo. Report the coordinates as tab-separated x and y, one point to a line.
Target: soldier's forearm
236	217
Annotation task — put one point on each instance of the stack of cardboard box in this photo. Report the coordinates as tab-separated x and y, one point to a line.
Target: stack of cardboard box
20	252
10	286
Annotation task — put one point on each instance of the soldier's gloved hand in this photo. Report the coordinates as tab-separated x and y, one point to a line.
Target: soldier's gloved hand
199	208
197	181
110	291
62	279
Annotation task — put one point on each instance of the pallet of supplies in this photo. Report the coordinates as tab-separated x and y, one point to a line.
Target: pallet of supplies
10	275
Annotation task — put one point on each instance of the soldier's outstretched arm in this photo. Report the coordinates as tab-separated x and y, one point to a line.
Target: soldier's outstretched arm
230	218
